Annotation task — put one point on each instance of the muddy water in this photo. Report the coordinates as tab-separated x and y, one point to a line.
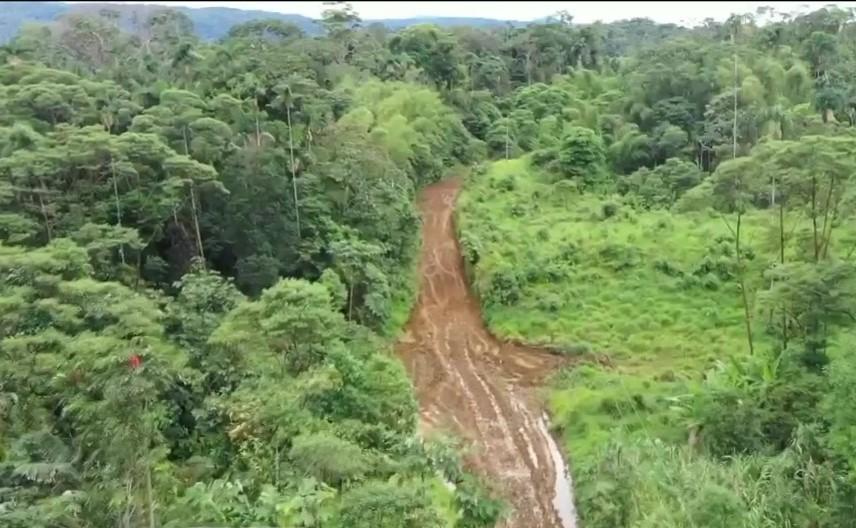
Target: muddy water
478	388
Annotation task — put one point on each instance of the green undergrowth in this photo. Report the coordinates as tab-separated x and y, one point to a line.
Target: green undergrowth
405	292
651	294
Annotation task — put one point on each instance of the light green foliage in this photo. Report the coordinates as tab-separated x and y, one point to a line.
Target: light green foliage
605	264
842	370
203	299
335	287
387	505
289	328
413	124
328	459
653	295
648	483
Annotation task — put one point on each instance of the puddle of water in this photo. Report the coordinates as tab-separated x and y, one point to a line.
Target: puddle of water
563	498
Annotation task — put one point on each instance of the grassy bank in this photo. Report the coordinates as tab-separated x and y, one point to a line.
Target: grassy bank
646	291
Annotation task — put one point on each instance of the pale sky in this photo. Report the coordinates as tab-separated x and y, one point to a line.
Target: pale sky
687	13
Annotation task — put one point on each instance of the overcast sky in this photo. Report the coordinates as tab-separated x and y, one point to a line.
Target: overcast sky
677	12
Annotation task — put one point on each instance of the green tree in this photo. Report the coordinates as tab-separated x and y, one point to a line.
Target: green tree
433	50
581	155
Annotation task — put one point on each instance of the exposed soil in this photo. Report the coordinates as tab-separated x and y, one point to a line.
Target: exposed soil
481	389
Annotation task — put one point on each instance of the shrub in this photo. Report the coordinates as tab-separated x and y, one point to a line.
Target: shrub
609	209
503	287
507	183
569	252
731	423
550	302
663	185
471	247
619	256
667	268
545	157
553	272
572	349
709	282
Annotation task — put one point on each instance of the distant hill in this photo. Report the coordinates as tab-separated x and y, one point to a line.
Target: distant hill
17	13
211	23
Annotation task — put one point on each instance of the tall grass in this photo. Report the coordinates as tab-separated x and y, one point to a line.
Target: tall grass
654	292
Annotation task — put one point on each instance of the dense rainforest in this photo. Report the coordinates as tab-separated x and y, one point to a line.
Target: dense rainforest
207	247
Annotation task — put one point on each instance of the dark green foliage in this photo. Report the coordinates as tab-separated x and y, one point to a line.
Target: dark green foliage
581	155
662	186
155	191
256	272
619	256
731	424
432	50
502	288
609	209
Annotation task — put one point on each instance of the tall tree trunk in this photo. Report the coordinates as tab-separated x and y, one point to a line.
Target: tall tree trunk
149	498
734	123
773	192
186	144
293	168
139	273
258	125
781	233
827	221
43	207
746	312
814	218
782	261
506	138
196	225
128	513
351	302
528	68
118	205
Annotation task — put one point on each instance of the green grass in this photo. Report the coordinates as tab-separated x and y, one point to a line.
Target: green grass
622	286
444	500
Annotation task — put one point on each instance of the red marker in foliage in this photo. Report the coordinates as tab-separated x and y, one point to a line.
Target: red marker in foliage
135	361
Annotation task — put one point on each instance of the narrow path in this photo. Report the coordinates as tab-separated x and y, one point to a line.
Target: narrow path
477	387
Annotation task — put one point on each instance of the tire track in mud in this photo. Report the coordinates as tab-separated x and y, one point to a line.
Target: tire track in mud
478	388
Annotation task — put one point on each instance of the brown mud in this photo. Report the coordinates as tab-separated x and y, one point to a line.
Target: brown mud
479	388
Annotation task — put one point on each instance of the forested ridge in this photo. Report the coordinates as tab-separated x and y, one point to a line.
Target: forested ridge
206	249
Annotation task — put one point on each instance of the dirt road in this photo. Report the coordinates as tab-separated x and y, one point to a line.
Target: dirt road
482	390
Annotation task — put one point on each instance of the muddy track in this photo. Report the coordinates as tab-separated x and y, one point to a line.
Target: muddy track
476	387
